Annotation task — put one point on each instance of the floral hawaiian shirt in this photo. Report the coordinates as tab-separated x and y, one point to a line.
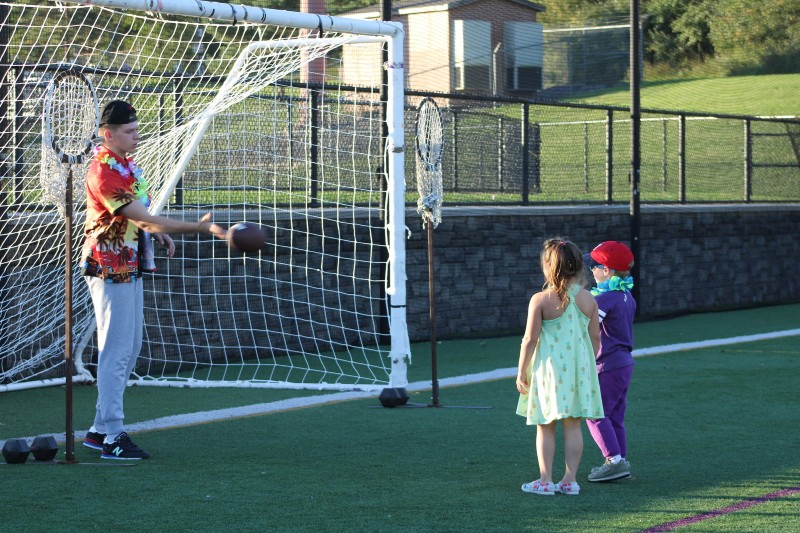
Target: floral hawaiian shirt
111	245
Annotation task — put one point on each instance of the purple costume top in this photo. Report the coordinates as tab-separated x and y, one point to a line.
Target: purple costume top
616	309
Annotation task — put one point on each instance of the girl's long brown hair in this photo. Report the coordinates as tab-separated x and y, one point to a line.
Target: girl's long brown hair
562	265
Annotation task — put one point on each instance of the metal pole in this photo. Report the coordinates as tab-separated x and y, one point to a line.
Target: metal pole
536	170
609	156
585	157
748	162
500	153
313	191
432	314
526	160
635	145
454	147
494	69
7	180
179	86
682	159
69	433
664	155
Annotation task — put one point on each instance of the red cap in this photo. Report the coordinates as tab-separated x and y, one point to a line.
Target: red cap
614	255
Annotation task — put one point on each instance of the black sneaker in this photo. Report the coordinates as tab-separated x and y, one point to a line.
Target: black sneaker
123	448
94	440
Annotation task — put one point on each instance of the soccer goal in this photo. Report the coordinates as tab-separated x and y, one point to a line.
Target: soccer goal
293	121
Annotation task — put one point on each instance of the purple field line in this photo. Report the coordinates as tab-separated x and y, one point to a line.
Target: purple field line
750	502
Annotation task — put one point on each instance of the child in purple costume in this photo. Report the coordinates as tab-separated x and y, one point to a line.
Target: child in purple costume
610	263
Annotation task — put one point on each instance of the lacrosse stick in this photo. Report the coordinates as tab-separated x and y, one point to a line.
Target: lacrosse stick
71	119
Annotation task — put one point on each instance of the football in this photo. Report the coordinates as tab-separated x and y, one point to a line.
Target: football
246	237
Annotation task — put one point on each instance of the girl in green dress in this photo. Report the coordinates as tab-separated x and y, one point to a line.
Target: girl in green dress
556	375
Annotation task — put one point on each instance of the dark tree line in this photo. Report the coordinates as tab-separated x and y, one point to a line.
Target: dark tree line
740	35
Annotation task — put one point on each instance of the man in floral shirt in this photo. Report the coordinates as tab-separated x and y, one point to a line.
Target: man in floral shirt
116	251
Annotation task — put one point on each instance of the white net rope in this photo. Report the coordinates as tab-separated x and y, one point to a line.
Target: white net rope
231	123
429	188
53	178
430	147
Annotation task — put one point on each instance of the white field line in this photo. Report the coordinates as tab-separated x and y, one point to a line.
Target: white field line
655	350
204	417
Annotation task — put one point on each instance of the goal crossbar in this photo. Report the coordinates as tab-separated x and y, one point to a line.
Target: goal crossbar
258	15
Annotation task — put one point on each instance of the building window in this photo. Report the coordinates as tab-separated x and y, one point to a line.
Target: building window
472	54
524	55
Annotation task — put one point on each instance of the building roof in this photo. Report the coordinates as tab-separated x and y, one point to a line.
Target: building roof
409	7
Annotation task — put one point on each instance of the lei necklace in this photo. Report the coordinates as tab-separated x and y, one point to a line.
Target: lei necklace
140	185
614	283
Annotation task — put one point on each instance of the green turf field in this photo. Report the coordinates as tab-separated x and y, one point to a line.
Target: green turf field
709	428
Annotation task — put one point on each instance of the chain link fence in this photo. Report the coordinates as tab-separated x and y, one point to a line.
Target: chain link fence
498	151
501	152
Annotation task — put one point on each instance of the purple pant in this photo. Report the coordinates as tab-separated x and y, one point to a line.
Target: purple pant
609	432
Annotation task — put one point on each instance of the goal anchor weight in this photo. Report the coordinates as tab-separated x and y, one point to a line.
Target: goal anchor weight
394	397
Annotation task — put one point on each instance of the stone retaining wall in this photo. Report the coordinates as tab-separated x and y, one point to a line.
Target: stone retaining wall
692	259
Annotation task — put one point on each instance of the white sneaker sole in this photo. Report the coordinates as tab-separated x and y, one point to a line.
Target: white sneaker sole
612	477
540	493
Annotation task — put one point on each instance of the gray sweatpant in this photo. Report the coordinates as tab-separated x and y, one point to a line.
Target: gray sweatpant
119	311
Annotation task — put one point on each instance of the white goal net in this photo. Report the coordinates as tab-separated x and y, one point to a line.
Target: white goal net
244	112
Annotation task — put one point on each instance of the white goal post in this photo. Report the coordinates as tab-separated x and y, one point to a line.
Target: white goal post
246	112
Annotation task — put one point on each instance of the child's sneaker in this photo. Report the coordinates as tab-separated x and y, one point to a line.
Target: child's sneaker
537	487
94	440
573	489
609	471
123	448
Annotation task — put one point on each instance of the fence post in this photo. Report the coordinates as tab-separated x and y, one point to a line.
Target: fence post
525	156
19	120
6	96
536	168
454	147
5	169
178	102
586	157
162	113
664	155
748	162
313	191
682	159
609	156
500	153
290	125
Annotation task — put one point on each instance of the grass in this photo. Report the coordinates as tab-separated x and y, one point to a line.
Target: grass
708	428
764	95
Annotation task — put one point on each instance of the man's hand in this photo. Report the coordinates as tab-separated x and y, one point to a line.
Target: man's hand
166	241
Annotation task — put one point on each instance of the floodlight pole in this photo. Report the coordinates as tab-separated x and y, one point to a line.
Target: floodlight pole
635	73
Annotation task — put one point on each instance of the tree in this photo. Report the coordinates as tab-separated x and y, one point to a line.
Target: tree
758	37
579	12
744	36
677	31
